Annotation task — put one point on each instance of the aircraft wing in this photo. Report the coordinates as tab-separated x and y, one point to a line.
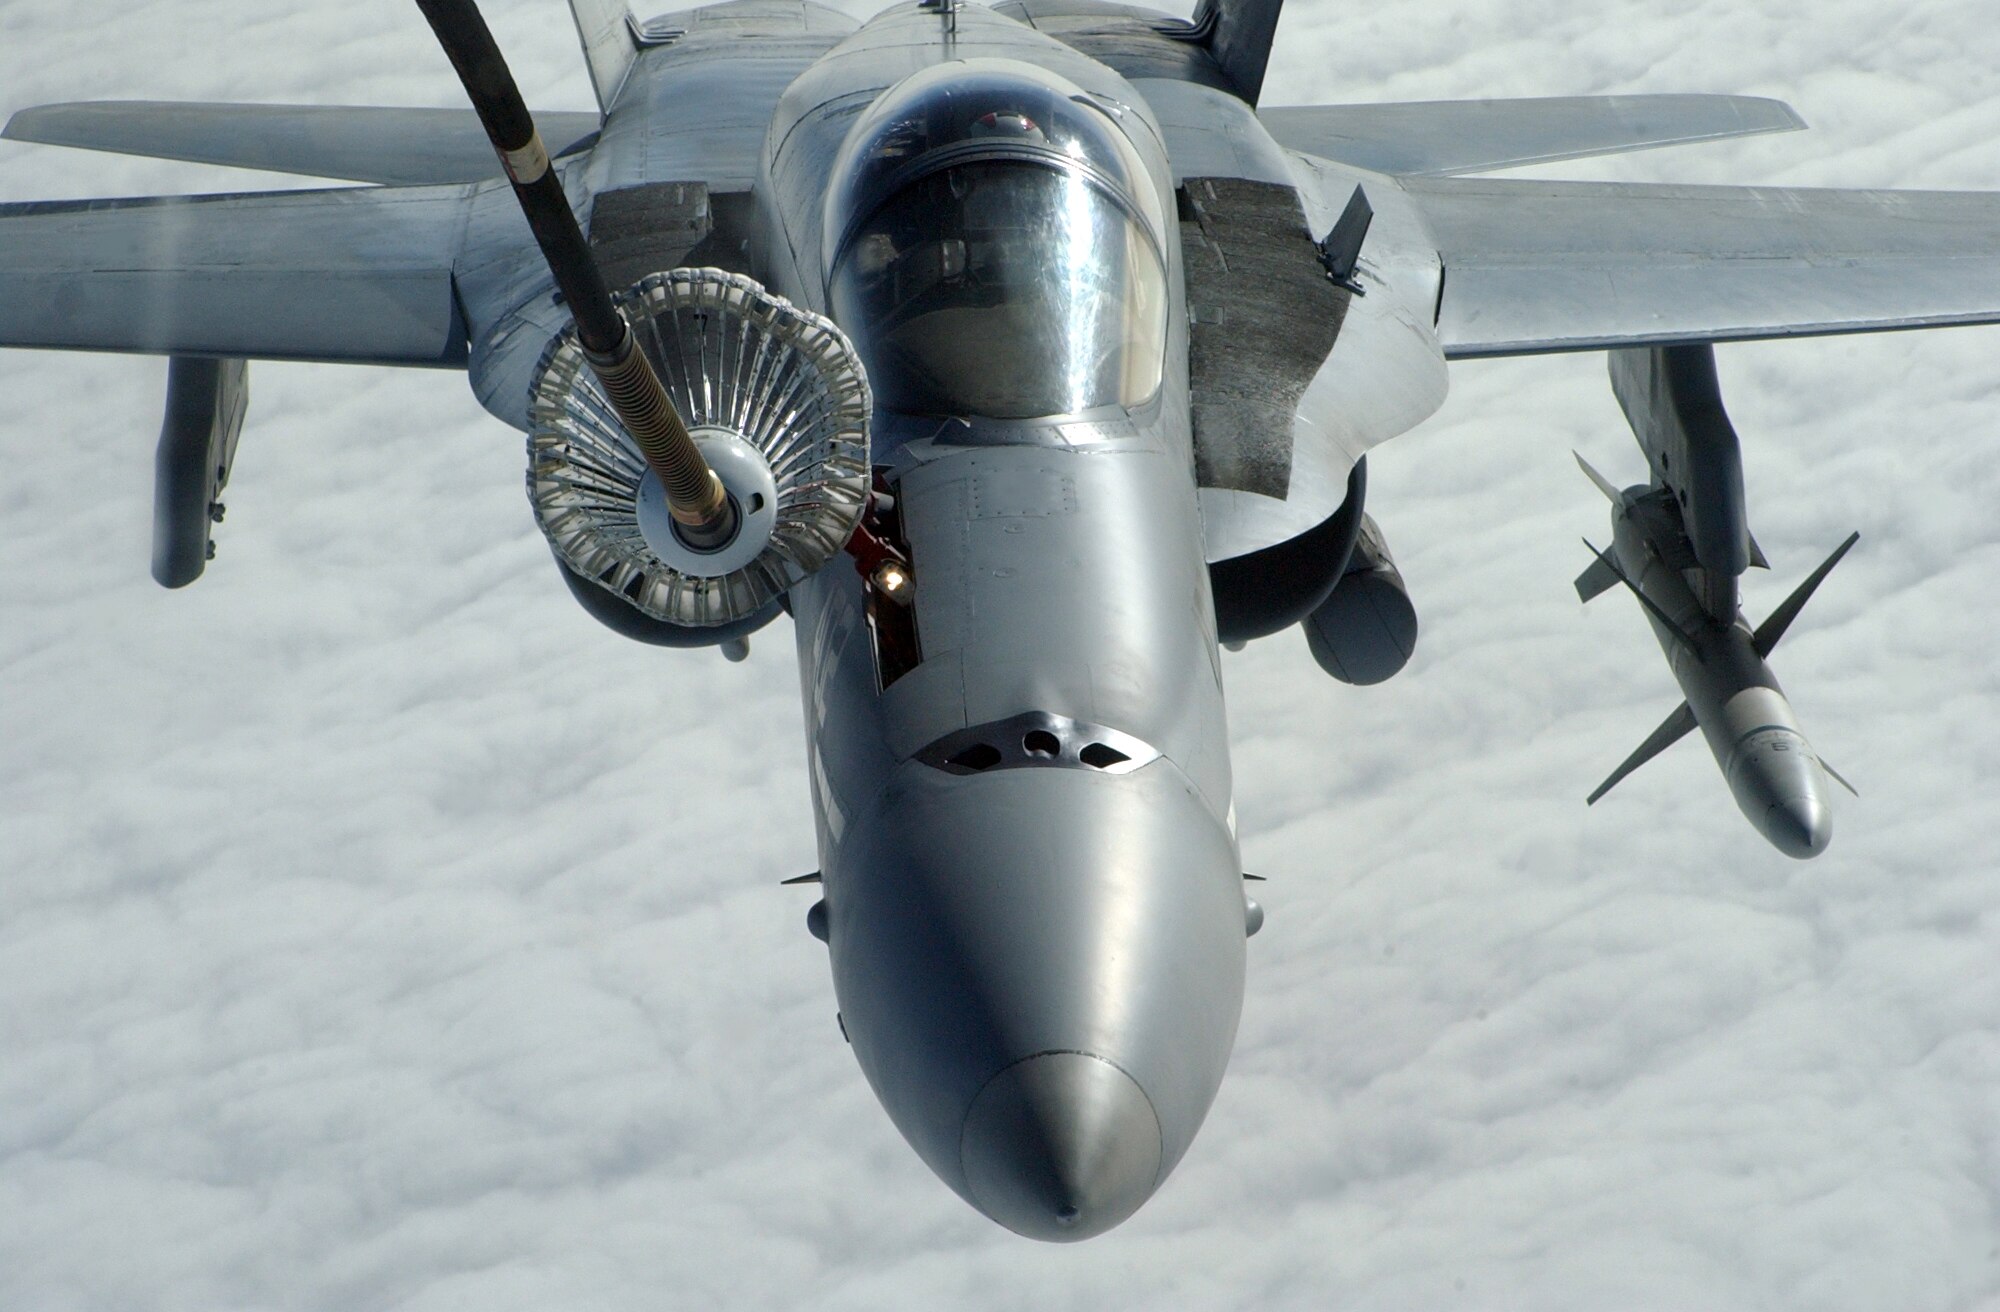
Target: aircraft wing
359	275
398	147
1537	267
1467	136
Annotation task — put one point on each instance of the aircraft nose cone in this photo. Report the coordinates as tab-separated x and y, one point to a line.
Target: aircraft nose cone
1060	1146
1798	826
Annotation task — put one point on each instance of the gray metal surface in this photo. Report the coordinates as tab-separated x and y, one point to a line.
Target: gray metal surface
1673	402
697	107
1264	316
604	29
1772	771
979	918
1366	631
1432	137
1060	1144
1137	42
975	923
1565	266
206	399
1238	35
396	147
1038	740
1376	382
356	276
1075	594
1225	45
1080	927
1384	374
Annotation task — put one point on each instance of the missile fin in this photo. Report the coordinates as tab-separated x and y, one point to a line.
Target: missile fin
1611	493
1756	552
1685	638
1671	730
1596	577
1838	777
1773	628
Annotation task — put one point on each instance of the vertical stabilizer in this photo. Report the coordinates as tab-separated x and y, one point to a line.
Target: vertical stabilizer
1238	34
605	28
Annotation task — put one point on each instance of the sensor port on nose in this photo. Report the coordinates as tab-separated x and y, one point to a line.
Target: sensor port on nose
1038	740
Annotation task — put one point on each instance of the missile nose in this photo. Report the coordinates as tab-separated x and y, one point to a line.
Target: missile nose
1060	1146
1799	826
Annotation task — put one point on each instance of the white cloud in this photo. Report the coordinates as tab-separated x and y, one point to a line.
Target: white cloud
354	954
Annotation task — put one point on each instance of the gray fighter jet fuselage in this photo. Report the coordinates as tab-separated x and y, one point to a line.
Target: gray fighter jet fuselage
1033	899
1126	341
1037	936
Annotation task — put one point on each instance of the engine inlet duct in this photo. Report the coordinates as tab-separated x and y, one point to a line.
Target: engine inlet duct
776	400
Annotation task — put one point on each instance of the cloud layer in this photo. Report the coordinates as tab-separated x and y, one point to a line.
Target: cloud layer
355	953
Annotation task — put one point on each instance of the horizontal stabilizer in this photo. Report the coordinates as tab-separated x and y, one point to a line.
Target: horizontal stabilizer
1533	267
355	275
1773	628
395	147
1672	729
1438	137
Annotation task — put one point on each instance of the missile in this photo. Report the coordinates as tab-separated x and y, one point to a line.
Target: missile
1778	780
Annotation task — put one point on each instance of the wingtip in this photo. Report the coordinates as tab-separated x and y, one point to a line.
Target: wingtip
1781	117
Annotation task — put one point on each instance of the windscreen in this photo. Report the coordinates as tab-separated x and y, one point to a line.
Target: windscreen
1005	288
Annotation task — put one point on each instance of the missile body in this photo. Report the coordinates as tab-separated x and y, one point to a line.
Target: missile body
1732	695
1681	544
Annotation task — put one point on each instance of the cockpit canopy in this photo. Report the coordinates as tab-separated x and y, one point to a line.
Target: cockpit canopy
995	248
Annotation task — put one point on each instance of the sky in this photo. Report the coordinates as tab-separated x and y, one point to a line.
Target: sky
378	932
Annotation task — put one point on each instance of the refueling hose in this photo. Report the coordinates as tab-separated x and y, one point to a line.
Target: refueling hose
701	509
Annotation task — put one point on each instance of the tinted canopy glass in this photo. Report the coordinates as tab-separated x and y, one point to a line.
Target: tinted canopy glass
992	252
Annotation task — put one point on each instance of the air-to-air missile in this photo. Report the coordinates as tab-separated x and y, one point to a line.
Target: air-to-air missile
1680	544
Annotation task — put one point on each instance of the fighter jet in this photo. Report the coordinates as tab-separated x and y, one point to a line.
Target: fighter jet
1021	360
